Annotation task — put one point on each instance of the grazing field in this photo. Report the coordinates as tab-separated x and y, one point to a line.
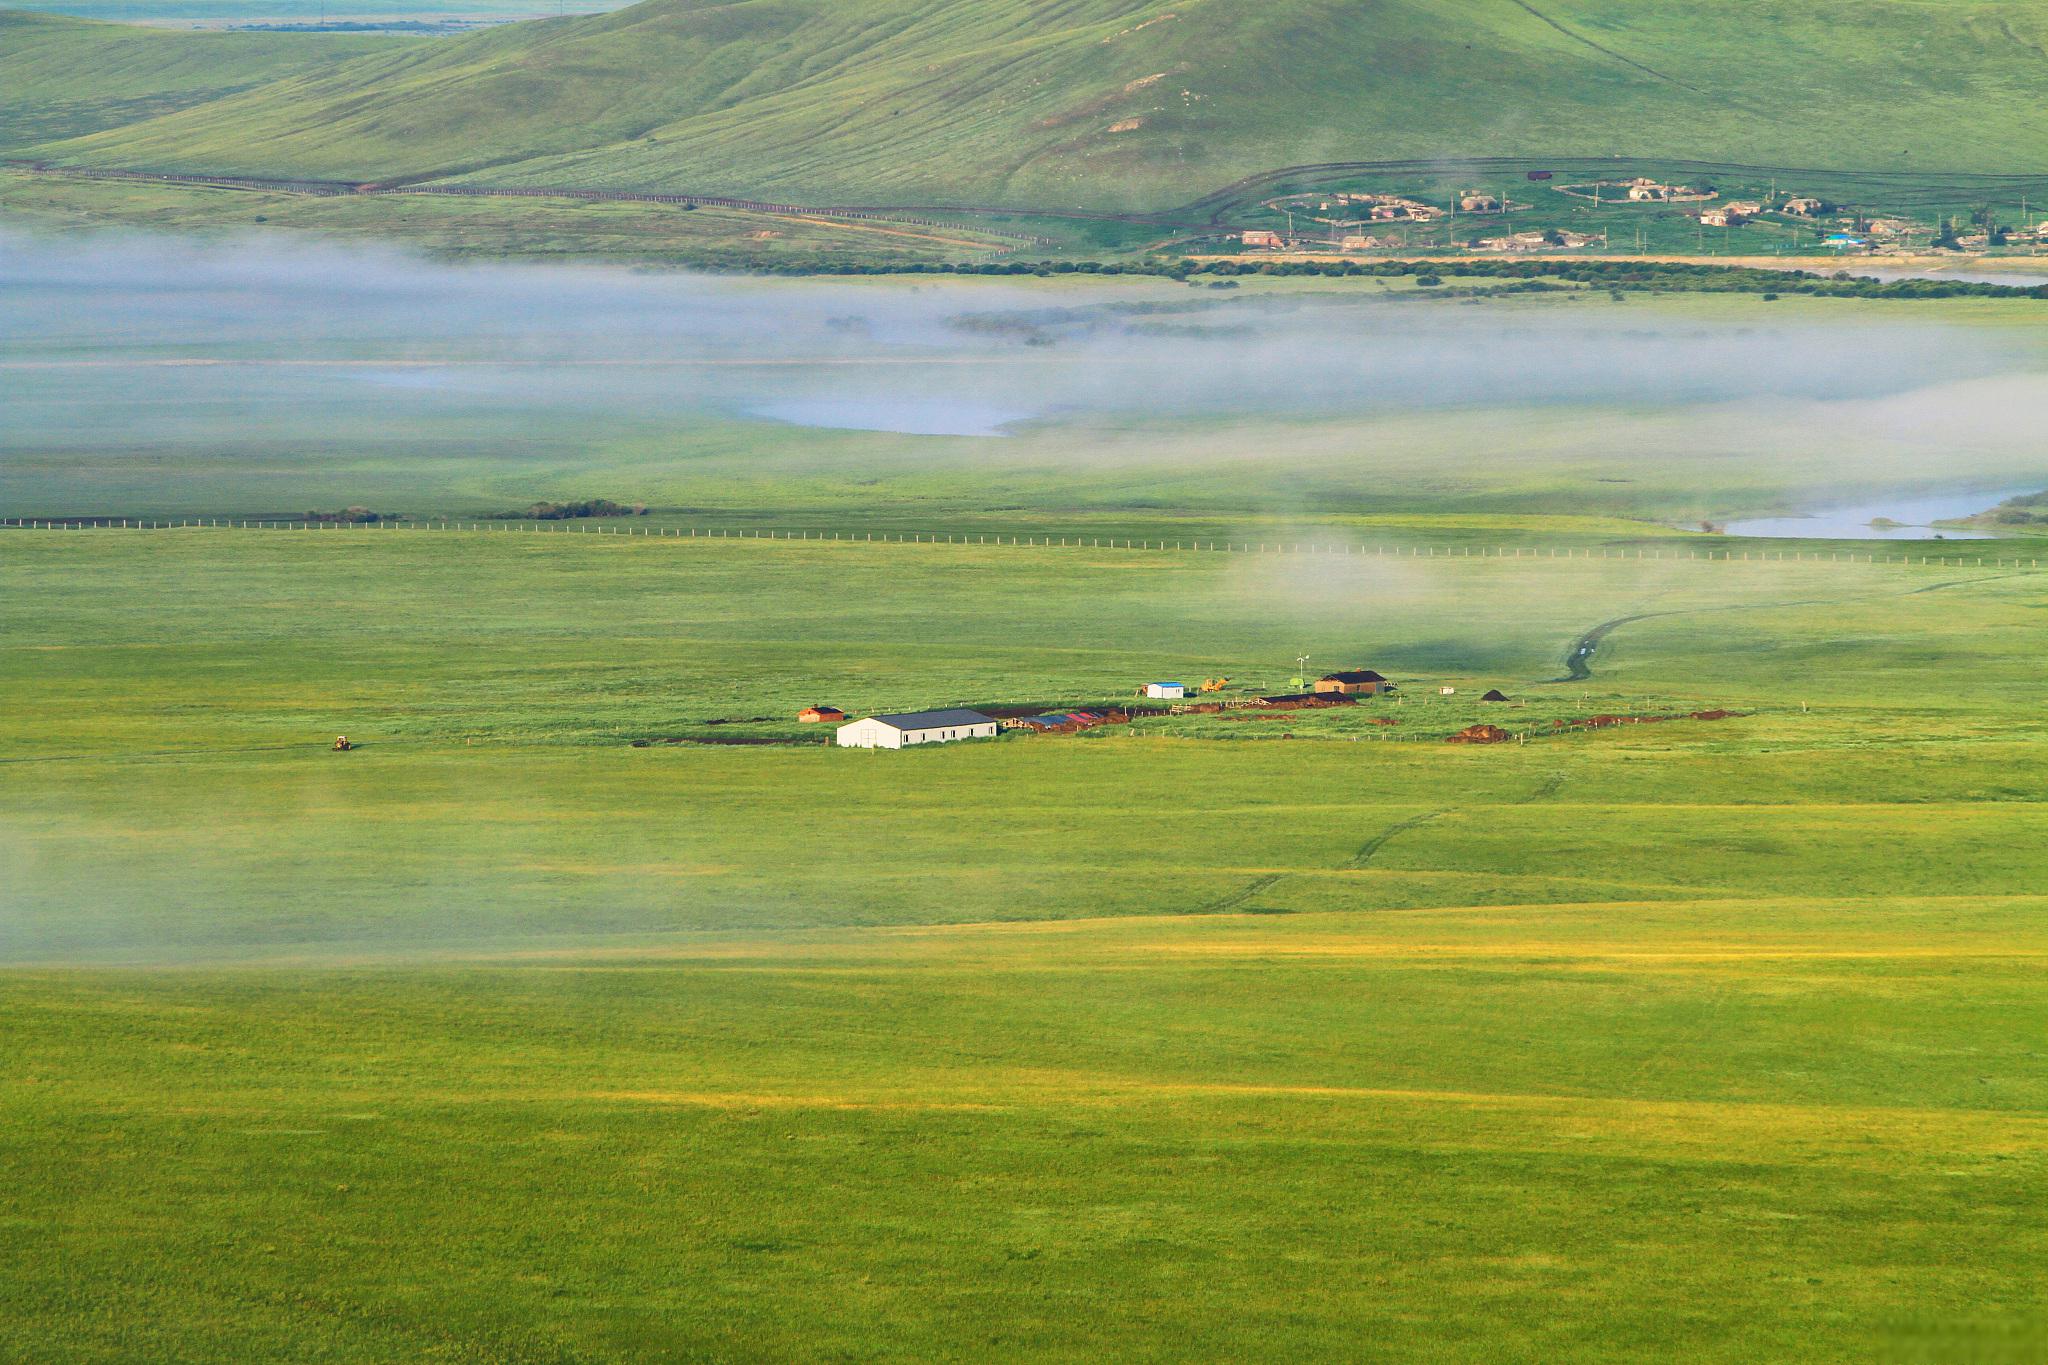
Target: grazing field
593	1008
67	77
500	1038
428	932
525	229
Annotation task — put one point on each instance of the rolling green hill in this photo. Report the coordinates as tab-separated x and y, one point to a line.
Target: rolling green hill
62	78
1125	103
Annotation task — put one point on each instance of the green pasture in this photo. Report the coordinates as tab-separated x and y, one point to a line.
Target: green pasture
176	692
525	229
1768	1128
66	77
502	1039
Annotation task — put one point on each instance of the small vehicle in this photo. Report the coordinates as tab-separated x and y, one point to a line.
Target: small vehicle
341	744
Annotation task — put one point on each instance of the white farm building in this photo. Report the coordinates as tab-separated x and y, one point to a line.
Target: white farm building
1166	689
915	727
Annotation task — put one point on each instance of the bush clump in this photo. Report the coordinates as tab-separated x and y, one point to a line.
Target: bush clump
566	511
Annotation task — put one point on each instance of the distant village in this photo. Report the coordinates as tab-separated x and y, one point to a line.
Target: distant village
1347	221
1344	688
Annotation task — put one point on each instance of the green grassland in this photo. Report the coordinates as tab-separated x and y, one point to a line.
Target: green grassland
526	229
1111	104
63	78
594	1009
500	1038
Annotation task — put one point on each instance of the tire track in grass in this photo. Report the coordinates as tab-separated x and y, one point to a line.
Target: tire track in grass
1394	831
1582	649
1243	894
1608	52
1370	849
1576	657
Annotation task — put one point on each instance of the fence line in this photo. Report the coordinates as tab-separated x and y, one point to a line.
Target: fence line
1646	554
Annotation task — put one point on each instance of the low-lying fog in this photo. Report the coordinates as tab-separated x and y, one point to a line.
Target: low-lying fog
138	343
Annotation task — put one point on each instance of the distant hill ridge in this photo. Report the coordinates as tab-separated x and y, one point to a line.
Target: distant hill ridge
1105	104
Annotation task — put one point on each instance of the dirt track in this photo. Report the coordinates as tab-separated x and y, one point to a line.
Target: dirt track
1582	648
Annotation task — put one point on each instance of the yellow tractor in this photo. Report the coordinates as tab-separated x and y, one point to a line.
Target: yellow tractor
1215	684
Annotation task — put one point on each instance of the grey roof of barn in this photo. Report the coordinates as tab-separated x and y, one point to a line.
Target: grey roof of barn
933	720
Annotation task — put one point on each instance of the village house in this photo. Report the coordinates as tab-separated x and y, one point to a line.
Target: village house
1747	208
1171	691
1254	237
1355	682
1358	242
811	715
1476	202
1535	241
915	727
1722	217
1804	206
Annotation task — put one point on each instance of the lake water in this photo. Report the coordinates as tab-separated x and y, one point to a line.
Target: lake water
1916	516
911	416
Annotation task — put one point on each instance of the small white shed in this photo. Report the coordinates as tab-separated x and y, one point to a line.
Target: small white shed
914	727
1169	690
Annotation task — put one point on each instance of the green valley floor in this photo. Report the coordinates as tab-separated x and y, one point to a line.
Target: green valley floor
504	1038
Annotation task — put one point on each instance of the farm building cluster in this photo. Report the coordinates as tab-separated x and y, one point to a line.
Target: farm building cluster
1348	206
904	730
1639	189
1345	215
1340	691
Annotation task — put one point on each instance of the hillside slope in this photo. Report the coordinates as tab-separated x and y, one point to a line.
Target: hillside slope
62	78
1130	103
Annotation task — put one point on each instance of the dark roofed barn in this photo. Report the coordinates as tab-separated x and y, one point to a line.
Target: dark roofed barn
1352	682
